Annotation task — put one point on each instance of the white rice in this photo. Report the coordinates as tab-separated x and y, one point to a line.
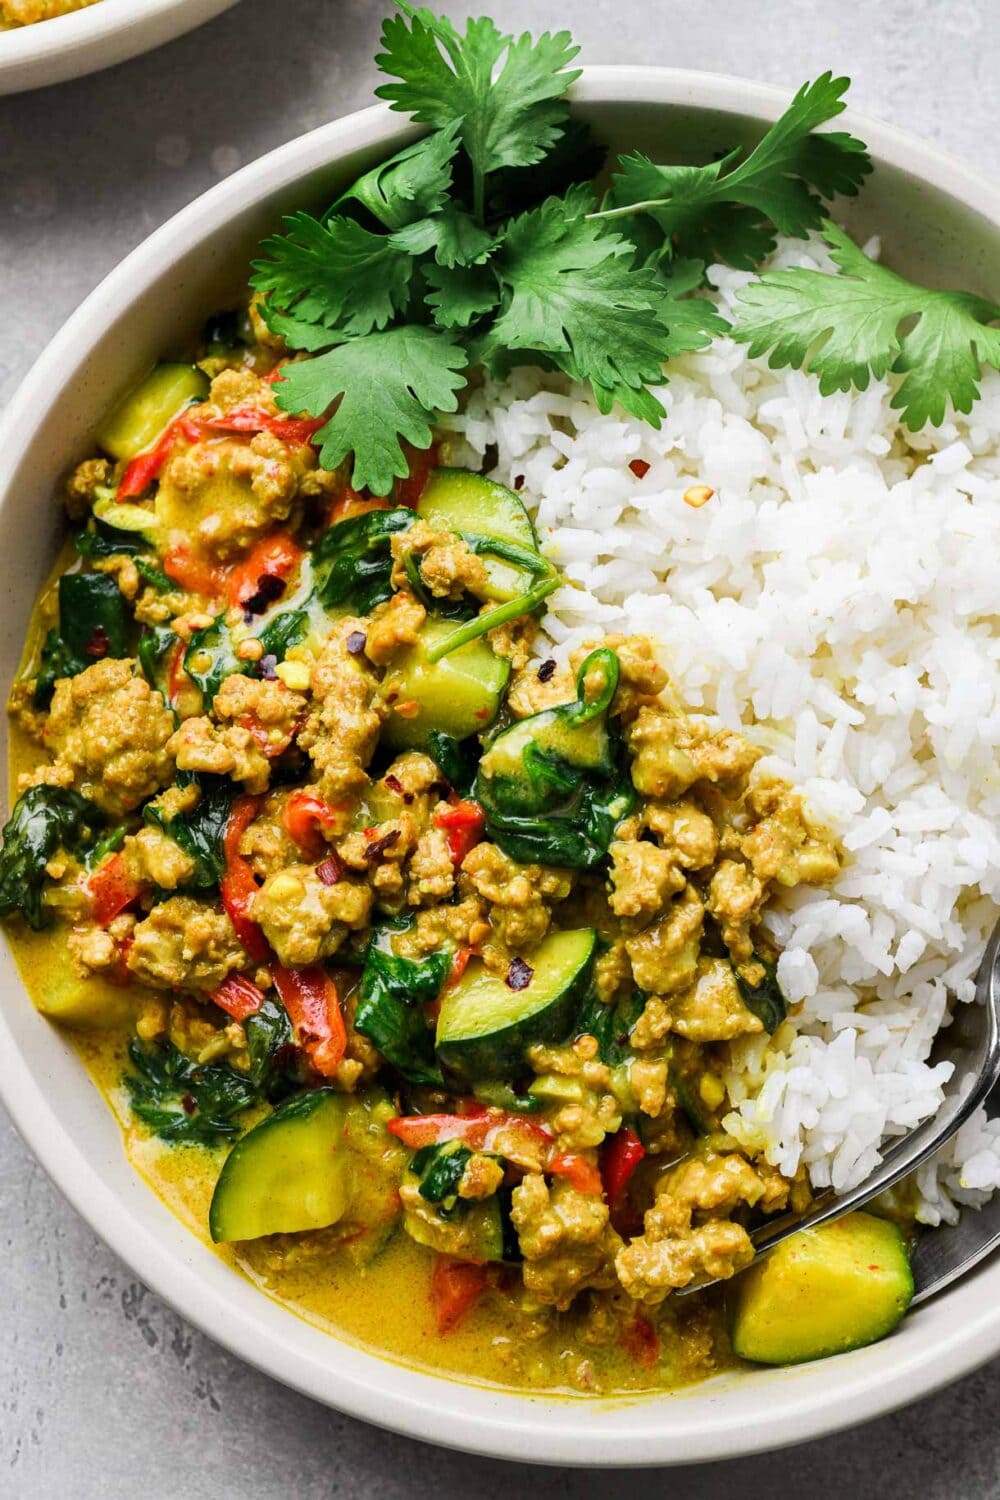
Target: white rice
837	599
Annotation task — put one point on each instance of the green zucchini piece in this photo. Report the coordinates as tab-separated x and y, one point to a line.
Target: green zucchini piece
475	1233
485	1025
482	512
457	696
137	421
287	1174
823	1291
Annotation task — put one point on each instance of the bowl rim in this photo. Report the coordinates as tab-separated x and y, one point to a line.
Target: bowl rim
501	1424
98	36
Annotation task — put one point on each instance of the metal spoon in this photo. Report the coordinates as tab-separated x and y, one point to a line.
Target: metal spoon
942	1255
972	1043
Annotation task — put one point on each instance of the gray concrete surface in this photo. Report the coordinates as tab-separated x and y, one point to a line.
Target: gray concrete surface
105	1394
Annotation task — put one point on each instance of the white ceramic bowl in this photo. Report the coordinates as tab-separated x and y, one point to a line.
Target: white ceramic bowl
86	40
939	219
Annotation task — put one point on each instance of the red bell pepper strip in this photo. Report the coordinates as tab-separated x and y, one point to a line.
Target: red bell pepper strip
459	964
463	824
274	556
619	1158
238	997
476	1127
193	573
295	430
238	886
313	1006
306	818
455	1287
146	467
112	888
430	1130
583	1176
421	461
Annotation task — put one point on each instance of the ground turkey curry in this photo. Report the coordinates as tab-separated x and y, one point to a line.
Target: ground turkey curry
408	955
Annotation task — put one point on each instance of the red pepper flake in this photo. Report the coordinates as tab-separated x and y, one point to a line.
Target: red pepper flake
330	870
394	784
376	850
547	670
98	645
519	975
519	481
188	1103
356	642
269	588
639	467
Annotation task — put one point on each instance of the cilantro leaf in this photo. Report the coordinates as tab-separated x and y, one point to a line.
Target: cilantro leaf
459	295
389	385
846	328
453	235
414	182
505	92
572	293
335	274
729	210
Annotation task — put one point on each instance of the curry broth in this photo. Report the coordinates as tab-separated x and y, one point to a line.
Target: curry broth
384	1307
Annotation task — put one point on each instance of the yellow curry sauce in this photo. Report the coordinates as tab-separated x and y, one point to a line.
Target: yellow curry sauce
336	868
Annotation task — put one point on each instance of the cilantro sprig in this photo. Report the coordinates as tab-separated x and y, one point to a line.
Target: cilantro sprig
869	321
730	210
482	244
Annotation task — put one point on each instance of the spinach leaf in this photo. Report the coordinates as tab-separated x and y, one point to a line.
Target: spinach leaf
277	1066
353	560
182	1101
92	625
555	786
110	843
576	834
201	832
44	819
154	575
440	1171
211	657
611	1025
283	631
98	539
390	1009
154	644
457	760
762	995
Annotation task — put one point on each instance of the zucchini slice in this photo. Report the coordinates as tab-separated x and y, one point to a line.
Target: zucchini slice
287	1174
458	695
137	421
485	1024
823	1291
482	512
